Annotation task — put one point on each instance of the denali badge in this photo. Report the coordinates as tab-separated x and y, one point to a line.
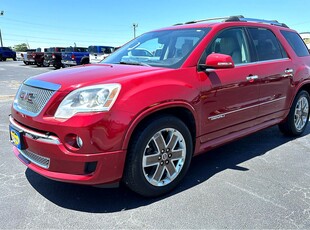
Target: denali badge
27	96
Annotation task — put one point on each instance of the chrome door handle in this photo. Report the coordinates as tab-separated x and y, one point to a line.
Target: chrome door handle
252	78
288	73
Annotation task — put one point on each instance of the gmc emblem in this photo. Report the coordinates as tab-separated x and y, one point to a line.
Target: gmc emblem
27	96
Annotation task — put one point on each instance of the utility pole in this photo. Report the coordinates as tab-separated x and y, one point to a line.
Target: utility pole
135	25
1	14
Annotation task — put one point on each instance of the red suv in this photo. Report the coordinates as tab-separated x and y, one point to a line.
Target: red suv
139	119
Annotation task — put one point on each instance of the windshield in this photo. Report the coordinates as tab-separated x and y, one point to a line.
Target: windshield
168	48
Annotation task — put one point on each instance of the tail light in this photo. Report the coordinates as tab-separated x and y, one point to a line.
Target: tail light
53	56
73	57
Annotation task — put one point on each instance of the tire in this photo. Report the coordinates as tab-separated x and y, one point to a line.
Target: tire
26	63
159	156
14	59
298	117
46	64
3	59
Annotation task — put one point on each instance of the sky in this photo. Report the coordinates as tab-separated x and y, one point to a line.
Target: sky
44	24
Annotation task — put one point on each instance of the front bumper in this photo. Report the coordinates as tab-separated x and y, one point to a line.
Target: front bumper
47	156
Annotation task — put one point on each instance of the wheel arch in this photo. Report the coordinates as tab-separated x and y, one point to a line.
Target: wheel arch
183	111
305	87
84	60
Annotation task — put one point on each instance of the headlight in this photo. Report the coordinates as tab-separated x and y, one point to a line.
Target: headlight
88	99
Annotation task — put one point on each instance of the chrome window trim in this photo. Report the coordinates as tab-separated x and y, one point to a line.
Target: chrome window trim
261	62
35	135
222	115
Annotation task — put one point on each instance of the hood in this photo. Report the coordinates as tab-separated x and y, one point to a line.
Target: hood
76	77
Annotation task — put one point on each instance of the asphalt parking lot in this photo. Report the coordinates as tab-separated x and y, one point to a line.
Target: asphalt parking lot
259	182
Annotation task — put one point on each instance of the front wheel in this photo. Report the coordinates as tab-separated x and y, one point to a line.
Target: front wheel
298	117
159	156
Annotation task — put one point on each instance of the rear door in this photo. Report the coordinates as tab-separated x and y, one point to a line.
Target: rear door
274	70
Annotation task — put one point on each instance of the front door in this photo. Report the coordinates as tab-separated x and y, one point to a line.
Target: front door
229	96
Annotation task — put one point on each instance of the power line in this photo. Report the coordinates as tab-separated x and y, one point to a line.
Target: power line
64	27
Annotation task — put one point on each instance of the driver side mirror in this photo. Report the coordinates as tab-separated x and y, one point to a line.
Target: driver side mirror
218	61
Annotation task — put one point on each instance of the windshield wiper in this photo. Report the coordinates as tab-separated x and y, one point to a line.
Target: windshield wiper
133	63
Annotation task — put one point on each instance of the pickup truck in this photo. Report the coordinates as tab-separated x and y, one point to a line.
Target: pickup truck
75	56
36	57
53	56
98	53
25	56
39	58
6	52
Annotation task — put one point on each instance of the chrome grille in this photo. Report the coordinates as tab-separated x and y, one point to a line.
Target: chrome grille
31	100
43	162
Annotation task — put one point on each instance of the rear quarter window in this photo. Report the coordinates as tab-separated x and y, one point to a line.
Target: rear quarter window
296	43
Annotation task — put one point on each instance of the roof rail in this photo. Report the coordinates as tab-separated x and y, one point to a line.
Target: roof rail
243	19
236	19
210	19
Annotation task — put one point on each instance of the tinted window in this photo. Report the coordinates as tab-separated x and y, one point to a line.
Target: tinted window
296	43
231	42
266	44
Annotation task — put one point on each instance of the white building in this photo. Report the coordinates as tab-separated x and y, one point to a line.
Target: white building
306	37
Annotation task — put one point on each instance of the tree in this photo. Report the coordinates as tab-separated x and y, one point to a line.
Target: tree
21	47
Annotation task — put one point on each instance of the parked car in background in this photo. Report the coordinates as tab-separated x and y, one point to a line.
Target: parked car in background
140	115
38	57
75	56
25	56
6	52
19	56
53	56
98	53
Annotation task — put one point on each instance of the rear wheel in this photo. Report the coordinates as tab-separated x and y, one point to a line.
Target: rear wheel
298	117
159	156
46	64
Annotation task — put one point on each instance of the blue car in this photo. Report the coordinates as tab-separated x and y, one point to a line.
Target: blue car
6	52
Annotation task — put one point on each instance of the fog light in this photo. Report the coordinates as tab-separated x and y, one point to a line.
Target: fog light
73	141
79	141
